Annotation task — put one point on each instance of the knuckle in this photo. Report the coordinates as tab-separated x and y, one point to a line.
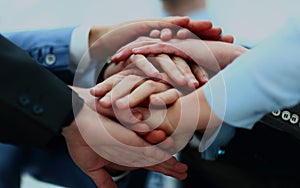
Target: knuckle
117	77
150	83
185	69
142	38
131	78
162	57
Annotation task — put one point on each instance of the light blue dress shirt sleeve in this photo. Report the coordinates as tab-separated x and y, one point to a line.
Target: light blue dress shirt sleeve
49	47
260	81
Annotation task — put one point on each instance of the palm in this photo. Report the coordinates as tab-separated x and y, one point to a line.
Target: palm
88	160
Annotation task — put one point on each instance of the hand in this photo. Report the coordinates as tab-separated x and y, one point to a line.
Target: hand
104	41
133	87
170	167
213	33
83	139
176	68
153	137
188	114
140	27
138	87
124	91
210	54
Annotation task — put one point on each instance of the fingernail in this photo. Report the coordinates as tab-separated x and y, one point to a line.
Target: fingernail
193	83
156	74
93	91
182	80
204	78
156	101
137	115
122	103
164	33
105	100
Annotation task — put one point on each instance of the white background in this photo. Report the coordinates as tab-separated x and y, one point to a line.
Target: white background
248	20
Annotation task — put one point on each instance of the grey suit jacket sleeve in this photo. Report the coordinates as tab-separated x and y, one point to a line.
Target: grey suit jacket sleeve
34	104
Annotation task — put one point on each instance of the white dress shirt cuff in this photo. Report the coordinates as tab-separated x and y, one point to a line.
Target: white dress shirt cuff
117	178
79	46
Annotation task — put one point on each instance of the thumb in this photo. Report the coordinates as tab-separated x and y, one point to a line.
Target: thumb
102	179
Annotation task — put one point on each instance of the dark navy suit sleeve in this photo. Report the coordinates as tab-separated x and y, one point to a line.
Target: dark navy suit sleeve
34	104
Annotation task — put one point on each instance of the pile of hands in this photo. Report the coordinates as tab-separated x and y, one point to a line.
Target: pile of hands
133	118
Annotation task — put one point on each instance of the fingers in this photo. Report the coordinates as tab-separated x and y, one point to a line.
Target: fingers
154	33
170	68
102	179
155	136
142	63
160	48
128	117
211	34
227	38
172	168
127	32
185	33
141	93
124	52
102	88
166	34
186	71
197	26
157	119
176	68
199	73
122	88
165	98
204	30
177	20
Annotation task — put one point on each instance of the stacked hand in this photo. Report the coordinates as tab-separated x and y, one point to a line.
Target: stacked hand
115	129
126	96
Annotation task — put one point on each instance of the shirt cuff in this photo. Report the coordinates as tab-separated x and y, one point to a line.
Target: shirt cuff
118	178
79	47
226	101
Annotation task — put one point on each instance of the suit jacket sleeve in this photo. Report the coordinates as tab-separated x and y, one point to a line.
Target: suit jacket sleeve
50	48
34	104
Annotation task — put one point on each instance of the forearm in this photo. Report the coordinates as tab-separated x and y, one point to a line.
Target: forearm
96	32
194	112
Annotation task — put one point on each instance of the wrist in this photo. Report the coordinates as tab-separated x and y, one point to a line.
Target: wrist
206	116
114	172
96	32
71	132
117	172
78	107
102	75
